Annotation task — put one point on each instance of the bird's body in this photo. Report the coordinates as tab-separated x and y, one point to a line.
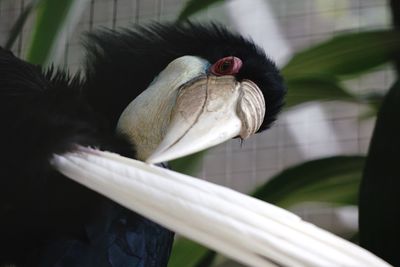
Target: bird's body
48	219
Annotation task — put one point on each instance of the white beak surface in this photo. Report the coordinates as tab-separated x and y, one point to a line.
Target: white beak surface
250	231
210	111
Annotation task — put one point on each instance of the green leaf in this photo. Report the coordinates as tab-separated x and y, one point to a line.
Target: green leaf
307	89
50	21
346	54
332	180
189	254
189	164
194	6
18	25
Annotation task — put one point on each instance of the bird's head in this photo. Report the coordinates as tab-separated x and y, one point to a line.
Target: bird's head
196	87
192	105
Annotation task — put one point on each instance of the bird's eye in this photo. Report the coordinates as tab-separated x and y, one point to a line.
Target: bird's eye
226	66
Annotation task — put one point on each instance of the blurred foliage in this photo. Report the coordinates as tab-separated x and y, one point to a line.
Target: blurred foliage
332	180
320	88
190	254
19	24
50	20
316	73
189	164
51	17
345	54
194	6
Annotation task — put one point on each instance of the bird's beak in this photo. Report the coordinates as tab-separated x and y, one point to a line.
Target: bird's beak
207	112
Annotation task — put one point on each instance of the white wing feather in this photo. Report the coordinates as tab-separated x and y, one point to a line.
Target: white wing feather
243	228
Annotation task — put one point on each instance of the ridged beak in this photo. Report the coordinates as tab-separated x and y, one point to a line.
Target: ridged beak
210	111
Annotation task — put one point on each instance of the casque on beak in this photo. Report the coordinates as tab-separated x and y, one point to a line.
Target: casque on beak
208	111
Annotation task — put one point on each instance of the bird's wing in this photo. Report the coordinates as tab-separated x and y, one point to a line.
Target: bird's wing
243	228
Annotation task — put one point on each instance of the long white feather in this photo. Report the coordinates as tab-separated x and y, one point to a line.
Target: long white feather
243	228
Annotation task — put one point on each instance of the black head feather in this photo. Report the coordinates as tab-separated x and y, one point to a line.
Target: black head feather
121	64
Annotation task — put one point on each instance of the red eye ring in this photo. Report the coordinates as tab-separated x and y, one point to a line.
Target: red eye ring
226	66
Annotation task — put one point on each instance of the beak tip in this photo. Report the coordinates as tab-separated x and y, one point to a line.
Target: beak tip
150	160
156	158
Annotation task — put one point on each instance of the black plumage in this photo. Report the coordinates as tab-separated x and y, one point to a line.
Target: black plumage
111	54
47	219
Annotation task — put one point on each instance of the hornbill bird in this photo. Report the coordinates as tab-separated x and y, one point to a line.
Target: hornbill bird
72	193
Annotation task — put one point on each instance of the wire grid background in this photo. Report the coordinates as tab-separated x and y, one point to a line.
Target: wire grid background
303	133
